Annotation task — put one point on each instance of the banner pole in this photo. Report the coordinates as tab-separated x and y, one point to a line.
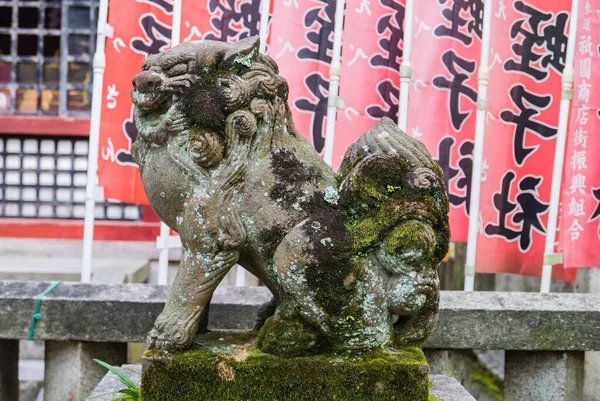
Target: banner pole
165	231
99	64
550	258
334	81
405	66
483	80
176	30
265	5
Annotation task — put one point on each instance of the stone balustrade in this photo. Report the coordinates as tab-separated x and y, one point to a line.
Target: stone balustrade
545	335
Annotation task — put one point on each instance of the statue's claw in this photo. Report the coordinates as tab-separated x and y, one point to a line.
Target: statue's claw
173	332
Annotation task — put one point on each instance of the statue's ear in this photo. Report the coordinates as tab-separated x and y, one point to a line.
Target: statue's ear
243	52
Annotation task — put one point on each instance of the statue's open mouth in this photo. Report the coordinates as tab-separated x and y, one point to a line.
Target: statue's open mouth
152	103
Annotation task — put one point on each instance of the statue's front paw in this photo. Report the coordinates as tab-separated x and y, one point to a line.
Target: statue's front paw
173	332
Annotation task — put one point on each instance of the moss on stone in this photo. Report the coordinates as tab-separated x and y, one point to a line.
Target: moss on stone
378	198
487	382
333	262
291	337
228	367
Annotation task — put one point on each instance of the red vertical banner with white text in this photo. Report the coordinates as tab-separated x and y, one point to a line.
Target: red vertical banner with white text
528	51
141	28
443	95
301	43
581	189
370	79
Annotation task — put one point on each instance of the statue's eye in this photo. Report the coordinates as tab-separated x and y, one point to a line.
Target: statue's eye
178	69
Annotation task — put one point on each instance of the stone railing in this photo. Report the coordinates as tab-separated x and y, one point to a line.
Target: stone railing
544	336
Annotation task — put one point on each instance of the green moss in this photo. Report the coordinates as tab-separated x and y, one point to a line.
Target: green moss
379	198
232	369
291	337
334	270
487	382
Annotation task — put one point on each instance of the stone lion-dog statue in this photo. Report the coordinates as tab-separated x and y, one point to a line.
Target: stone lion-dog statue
350	258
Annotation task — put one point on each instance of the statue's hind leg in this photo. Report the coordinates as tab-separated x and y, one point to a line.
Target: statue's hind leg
330	288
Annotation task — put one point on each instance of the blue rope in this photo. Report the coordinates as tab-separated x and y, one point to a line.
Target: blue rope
38	303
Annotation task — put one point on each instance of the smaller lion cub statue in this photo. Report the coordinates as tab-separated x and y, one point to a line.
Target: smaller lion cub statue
350	258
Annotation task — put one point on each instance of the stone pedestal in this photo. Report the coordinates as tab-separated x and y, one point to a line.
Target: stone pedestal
228	367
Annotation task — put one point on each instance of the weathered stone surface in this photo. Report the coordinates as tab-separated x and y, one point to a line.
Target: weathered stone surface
110	312
547	376
9	370
70	372
449	389
228	366
125	312
517	321
457	364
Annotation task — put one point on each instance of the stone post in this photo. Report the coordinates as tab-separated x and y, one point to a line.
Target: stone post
548	376
70	372
9	369
453	363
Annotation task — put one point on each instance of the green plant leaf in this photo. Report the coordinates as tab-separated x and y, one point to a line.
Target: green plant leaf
124	379
134	393
100	394
122	398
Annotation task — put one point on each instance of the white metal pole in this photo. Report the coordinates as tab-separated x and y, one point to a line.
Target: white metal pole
99	64
550	258
406	67
163	254
334	81
483	78
265	5
165	231
176	30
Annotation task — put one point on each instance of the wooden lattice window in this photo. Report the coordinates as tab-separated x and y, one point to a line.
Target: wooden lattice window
46	50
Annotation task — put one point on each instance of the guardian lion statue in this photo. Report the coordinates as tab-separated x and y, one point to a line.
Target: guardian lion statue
350	258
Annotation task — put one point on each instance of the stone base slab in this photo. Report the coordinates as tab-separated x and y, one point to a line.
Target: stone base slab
228	367
443	387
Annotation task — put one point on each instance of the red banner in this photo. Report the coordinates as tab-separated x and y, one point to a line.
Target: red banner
581	189
528	50
301	44
143	27
370	79
443	95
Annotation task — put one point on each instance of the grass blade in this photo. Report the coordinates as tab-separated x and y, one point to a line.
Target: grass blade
122	398
124	379
134	393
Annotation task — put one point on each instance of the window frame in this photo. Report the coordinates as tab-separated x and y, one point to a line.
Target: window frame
63	86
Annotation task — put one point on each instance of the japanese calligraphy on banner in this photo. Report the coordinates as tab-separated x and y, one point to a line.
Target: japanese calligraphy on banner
528	50
370	77
443	97
301	43
141	28
581	189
